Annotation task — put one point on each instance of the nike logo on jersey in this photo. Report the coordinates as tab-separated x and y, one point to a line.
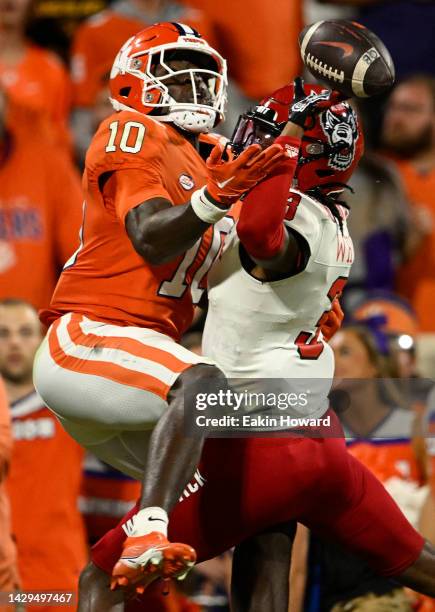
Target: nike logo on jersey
345	47
224	183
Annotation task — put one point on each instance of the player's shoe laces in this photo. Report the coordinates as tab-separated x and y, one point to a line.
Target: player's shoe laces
149	557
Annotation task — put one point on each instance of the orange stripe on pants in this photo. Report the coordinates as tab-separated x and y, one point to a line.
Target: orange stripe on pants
111	371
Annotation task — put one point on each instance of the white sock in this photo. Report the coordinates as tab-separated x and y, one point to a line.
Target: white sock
150	519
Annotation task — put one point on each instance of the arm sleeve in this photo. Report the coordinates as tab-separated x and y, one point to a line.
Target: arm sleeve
126	189
260	227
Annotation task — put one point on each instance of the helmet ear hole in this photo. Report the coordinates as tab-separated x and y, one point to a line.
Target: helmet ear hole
124	92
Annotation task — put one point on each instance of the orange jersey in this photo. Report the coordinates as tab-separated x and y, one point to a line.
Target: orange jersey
41	83
388	452
40	211
416	278
43	485
107	280
98	40
259	39
8	555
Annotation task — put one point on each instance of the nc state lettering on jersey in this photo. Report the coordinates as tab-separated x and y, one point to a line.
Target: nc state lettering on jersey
345	252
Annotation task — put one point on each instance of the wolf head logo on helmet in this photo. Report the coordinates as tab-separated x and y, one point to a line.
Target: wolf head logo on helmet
135	84
342	133
330	150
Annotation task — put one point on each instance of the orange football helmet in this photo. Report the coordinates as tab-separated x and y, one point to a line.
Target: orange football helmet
134	84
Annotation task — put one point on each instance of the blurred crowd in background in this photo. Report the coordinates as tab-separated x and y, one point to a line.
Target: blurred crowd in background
55	60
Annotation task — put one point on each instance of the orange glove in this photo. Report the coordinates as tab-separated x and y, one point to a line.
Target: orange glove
331	321
229	180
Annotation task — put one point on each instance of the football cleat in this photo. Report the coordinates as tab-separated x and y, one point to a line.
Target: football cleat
149	557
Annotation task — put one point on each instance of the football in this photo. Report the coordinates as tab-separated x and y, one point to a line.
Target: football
348	57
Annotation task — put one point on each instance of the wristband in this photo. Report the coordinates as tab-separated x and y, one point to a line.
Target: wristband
204	208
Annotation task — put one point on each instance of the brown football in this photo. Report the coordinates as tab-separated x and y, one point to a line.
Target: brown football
346	56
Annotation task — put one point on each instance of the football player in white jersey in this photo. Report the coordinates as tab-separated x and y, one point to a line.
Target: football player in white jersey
281	269
290	254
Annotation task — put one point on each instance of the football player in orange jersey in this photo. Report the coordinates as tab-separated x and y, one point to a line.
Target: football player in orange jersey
110	366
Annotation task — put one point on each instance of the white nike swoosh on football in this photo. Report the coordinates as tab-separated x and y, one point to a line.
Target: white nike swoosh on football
222	185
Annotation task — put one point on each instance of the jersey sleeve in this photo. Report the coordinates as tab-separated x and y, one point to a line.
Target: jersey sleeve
130	149
128	188
305	219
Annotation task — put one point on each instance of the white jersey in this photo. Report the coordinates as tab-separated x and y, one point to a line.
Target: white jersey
258	329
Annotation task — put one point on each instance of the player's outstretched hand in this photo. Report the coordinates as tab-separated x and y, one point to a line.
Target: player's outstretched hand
229	180
304	108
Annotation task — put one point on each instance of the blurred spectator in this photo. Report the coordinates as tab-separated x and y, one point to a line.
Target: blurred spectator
46	467
87	121
105	496
40	207
378	224
260	41
98	40
400	324
31	75
408	137
9	580
379	433
53	22
429	519
210	583
316	10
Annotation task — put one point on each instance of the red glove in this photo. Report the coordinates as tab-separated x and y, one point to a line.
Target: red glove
229	180
331	321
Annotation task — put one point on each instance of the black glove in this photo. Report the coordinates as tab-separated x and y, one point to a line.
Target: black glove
304	108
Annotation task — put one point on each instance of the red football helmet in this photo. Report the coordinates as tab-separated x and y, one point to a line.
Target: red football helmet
330	149
134	85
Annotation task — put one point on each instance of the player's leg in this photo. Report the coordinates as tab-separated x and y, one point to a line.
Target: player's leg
368	522
173	456
171	462
108	382
95	594
261	568
420	576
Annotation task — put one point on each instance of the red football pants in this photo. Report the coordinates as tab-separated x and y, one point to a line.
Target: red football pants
254	483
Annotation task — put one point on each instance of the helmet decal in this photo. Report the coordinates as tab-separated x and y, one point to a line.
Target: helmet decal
330	148
342	134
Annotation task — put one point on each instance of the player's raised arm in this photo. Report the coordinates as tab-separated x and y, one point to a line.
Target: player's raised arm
160	231
260	228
